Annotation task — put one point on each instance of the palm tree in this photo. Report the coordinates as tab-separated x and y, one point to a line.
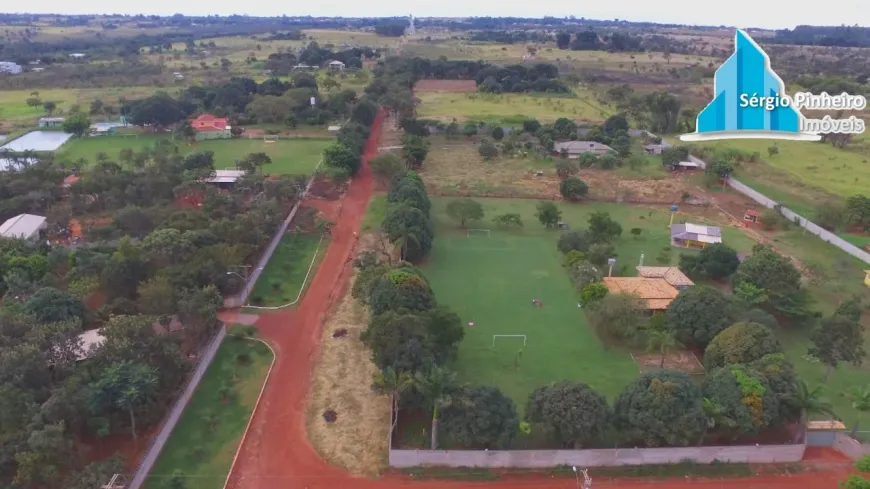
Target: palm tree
663	341
860	398
434	386
390	382
810	401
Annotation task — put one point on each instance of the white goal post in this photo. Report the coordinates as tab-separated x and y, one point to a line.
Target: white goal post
508	336
472	231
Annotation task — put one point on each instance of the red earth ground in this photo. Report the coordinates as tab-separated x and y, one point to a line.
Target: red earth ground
276	453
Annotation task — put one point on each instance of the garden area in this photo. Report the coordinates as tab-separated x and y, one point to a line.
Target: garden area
284	279
202	446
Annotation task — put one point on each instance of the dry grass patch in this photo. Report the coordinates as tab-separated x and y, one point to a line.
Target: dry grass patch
357	439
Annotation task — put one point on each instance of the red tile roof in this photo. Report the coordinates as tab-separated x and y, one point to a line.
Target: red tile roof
71	179
208	122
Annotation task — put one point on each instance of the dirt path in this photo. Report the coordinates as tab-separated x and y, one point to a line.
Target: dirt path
276	453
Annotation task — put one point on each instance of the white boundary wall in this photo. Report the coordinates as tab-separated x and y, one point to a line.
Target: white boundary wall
539	459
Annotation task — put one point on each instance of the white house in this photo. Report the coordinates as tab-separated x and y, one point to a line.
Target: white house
336	65
77	55
24	226
10	67
225	177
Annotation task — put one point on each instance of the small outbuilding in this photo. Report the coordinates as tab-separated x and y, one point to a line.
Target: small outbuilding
225	178
750	217
50	121
576	148
694	235
336	66
24	226
653	149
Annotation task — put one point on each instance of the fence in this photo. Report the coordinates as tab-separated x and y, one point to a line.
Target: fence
168	424
789	214
849	446
540	459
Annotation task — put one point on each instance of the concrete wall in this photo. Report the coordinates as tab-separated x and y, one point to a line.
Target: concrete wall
594	458
850	447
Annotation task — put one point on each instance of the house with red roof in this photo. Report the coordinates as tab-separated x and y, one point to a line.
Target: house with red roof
208	126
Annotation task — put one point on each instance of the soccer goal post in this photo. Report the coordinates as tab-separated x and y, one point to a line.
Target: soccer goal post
496	336
477	232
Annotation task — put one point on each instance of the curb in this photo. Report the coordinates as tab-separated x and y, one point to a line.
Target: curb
253	411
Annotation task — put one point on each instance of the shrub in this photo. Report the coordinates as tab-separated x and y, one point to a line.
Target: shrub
487	150
740	343
855	482
593	293
574	241
573	188
863	465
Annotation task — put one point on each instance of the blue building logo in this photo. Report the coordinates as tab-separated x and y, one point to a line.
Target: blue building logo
749	101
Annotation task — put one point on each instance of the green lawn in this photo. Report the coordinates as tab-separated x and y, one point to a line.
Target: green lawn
203	453
289	156
374	213
284	276
510	107
492	281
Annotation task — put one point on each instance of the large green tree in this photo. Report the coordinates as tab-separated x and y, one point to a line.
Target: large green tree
464	210
838	339
549	214
716	261
661	409
125	386
480	417
745	397
700	313
740	343
602	228
51	306
571	412
775	274
410	230
77	124
435	386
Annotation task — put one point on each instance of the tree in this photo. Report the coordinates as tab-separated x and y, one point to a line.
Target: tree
392	383
663	342
414	150
480	417
167	246
469	129
401	341
157	296
49	107
124	385
548	214
435	386
159	110
197	310
838	339
616	316
401	288
573	188
386	166
673	155
509	220
600	253
572	412
578	240
661	409
487	150
740	343
531	126
602	228
777	276
464	210
745	397
254	162
410	230
636	232
338	155
497	133
49	305
811	401
565	168
411	192
716	261
77	124
859	397
698	314
592	293
34	101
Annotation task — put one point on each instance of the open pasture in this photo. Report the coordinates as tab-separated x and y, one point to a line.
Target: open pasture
582	105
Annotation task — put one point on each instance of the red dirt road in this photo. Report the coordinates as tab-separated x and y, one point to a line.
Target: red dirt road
276	453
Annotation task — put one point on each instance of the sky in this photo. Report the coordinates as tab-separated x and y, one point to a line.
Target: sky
739	13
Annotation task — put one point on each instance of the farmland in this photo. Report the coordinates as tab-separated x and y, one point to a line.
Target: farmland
510	107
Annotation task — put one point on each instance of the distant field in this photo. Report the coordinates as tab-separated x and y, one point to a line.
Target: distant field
510	106
14	108
289	156
835	171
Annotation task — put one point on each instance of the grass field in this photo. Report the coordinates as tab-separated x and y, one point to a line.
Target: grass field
206	438
510	107
14	108
289	156
492	281
283	279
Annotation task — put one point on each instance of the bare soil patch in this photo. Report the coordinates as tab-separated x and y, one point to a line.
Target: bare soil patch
356	439
682	361
325	188
445	86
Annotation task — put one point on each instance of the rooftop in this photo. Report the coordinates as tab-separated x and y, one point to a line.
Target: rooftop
657	292
225	176
672	275
581	146
22	226
90	340
696	232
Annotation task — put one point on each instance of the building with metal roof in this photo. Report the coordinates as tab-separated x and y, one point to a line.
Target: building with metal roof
23	226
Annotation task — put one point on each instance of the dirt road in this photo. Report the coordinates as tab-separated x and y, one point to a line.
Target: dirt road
276	453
